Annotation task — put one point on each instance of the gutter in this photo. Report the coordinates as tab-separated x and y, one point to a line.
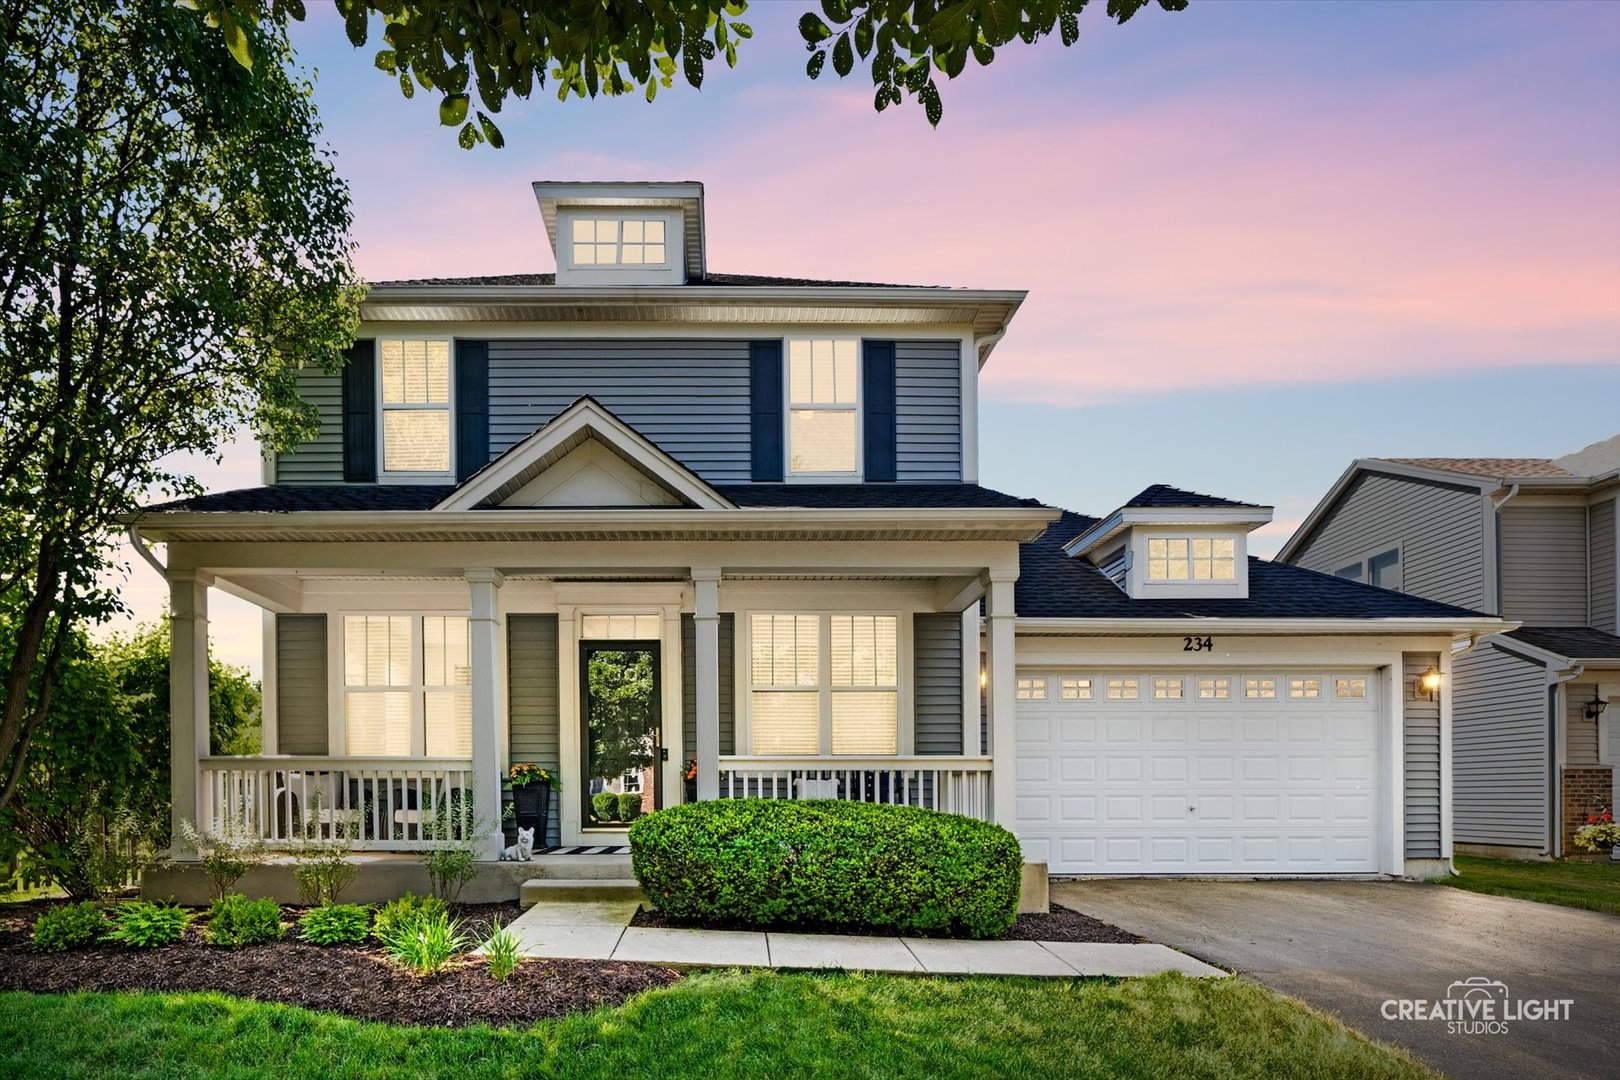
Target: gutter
135	541
1555	779
1251	624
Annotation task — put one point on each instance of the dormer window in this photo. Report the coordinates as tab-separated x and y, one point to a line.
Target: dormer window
415	397
619	242
1192	558
823	387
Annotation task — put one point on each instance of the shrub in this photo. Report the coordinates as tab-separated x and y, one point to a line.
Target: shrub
606	805
229	856
425	941
408	906
768	862
501	952
69	926
235	921
457	836
324	870
141	924
630	806
335	924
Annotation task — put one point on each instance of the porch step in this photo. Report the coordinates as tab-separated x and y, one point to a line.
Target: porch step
542	890
579	867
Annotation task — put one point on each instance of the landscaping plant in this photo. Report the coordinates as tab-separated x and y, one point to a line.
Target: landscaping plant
409	906
335	924
141	924
501	952
69	926
630	806
235	921
1599	833
776	862
225	858
457	835
425	942
606	806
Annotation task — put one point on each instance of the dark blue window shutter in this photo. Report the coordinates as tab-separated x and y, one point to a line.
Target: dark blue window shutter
360	414
472	407
765	382
877	390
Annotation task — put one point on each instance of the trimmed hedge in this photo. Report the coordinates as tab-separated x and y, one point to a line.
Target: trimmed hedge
781	862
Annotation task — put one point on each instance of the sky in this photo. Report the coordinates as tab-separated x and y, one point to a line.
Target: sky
1260	239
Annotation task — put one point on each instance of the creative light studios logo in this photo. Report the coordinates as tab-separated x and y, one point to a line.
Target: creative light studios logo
1477	1006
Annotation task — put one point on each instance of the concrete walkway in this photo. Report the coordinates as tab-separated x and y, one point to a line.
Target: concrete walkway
584	930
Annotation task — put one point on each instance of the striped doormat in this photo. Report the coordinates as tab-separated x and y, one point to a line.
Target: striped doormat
598	849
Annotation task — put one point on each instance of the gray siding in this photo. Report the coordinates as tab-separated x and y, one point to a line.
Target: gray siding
1439	527
728	685
937	671
532	703
301	726
320	460
1581	739
1499	749
1544	564
690	398
928	411
1421	718
1600	553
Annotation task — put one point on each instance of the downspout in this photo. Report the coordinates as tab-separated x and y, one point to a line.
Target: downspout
980	344
1473	643
135	541
1555	845
1496	504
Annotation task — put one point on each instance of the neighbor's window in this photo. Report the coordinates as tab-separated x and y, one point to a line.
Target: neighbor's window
825	684
618	242
395	706
415	397
1192	558
823	400
1384	570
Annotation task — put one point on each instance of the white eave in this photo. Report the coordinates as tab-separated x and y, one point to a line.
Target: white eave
1261	626
1009	524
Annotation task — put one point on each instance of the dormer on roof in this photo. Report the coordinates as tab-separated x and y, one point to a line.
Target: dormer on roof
1168	544
612	233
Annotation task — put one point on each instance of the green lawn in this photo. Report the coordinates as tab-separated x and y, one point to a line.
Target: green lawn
1593	886
724	1024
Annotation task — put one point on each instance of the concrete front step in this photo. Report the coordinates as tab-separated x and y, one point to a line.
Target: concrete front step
541	890
580	867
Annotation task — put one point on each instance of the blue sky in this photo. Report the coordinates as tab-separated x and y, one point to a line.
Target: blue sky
1260	239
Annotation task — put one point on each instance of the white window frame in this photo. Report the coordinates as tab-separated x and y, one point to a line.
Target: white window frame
789	408
384	475
416	687
565	236
1189	539
905	735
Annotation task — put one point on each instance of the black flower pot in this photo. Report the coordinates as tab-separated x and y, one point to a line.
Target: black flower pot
531	809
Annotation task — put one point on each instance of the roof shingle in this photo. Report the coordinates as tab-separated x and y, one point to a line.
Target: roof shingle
1571	642
1165	496
1490	467
710	280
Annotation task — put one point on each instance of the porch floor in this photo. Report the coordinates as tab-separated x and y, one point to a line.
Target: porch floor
601	930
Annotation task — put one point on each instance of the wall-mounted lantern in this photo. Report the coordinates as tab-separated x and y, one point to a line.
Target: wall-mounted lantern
1429	682
1595	707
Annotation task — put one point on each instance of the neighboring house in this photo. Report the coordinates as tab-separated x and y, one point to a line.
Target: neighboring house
770	487
1533	539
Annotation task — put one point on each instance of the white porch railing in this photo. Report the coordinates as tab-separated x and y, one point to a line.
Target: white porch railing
380	804
955	785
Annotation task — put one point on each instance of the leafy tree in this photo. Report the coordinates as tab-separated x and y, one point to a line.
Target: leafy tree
621	687
174	247
496	48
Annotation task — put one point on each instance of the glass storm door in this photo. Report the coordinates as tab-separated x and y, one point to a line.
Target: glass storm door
620	737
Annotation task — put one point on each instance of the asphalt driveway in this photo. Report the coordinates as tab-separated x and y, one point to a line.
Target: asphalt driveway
1347	947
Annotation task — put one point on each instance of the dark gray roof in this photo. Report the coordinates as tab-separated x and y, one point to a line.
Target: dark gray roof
284	498
1163	495
710	280
1051	585
1571	642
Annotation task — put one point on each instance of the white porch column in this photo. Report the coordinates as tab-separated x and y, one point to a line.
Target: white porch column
188	701
484	641
1001	669
706	614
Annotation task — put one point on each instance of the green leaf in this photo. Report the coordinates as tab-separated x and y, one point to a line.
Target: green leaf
983	53
863	36
491	132
812	29
453	109
468	136
236	40
933	108
817	62
843	56
406	87
652	89
1069	25
386	60
742	29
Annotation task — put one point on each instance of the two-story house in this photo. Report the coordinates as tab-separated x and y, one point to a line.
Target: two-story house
1532	538
757	500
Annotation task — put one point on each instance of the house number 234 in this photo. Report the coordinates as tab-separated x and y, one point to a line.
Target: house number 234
1197	644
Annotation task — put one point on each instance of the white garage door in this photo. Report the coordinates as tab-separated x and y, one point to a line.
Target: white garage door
1262	772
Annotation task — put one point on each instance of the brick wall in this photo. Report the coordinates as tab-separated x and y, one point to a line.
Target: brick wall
1587	788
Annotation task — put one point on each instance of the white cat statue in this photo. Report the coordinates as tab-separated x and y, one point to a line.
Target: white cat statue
522	850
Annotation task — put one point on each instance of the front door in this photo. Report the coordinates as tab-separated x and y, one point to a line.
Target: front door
620	732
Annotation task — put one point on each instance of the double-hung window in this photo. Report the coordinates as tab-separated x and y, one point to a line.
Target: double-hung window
823	389
407	686
825	684
1382	570
415	398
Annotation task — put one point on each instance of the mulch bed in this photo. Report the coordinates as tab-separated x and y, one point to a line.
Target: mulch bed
358	981
1059	924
